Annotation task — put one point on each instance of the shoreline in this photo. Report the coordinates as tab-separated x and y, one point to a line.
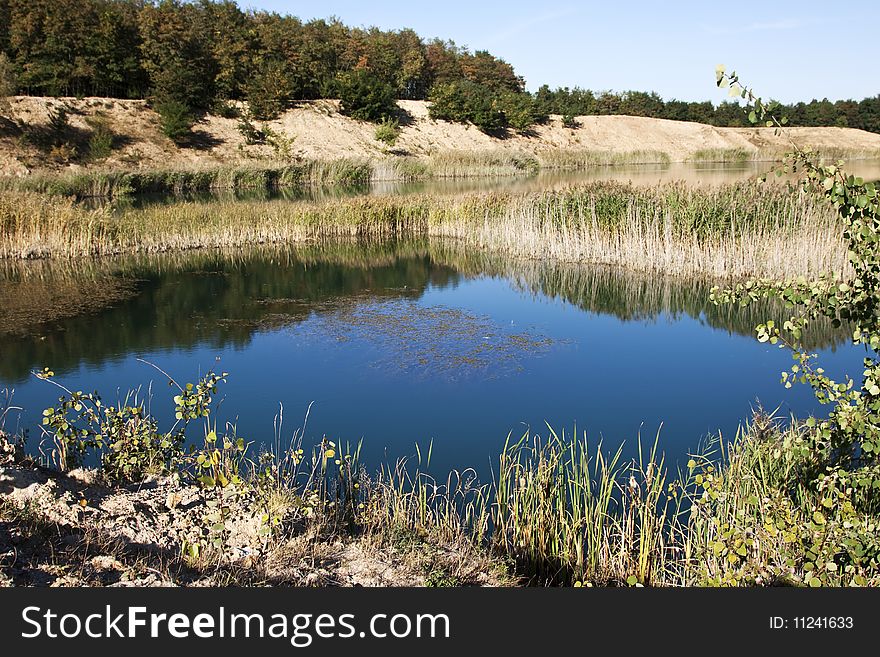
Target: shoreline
732	231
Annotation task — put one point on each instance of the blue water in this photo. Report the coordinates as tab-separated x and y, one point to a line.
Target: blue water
413	351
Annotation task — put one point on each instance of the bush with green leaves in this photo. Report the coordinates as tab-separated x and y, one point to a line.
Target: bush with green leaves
8	82
125	437
270	91
176	119
520	110
101	139
226	110
570	121
59	122
364	96
839	456
490	110
388	131
253	136
462	101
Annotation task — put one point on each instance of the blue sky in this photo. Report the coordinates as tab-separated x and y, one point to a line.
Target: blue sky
786	50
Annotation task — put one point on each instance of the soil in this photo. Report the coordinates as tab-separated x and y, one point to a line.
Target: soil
73	529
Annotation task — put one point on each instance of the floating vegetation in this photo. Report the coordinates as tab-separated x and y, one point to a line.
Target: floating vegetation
223	297
430	341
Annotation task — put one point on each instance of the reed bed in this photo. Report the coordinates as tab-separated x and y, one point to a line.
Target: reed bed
560	510
483	164
451	164
730	231
120	183
563	512
727	155
572	159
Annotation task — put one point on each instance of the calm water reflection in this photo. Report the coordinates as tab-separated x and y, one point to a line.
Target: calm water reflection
405	343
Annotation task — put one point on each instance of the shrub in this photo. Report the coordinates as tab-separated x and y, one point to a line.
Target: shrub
62	153
226	110
840	454
520	110
176	119
8	84
462	102
252	134
101	139
569	121
281	144
388	131
270	91
58	123
365	97
126	438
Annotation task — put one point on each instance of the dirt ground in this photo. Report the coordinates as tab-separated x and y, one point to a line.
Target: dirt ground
319	131
70	529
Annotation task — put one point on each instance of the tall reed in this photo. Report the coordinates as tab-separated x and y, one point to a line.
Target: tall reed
729	231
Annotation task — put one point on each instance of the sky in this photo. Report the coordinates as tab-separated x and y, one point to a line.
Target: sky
786	50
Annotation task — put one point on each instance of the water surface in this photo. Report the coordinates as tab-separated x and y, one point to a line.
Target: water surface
403	344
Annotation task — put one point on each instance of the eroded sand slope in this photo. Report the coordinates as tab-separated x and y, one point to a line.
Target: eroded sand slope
318	130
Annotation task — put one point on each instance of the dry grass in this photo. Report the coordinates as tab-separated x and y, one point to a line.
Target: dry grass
730	231
733	231
491	163
568	158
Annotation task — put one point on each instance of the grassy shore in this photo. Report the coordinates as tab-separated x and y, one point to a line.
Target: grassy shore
558	511
729	231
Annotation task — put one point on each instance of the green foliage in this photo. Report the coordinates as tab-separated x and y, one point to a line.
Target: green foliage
252	134
520	111
218	464
570	121
177	56
264	135
388	131
490	110
101	140
365	96
840	455
467	102
484	69
270	91
439	577
281	144
8	82
176	120
59	122
226	110
199	52
864	114
76	47
125	437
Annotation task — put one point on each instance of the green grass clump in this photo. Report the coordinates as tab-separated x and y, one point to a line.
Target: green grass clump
567	158
723	155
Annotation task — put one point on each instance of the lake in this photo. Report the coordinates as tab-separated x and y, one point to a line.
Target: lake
399	344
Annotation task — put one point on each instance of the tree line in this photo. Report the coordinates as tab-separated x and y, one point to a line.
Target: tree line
189	58
199	52
864	114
